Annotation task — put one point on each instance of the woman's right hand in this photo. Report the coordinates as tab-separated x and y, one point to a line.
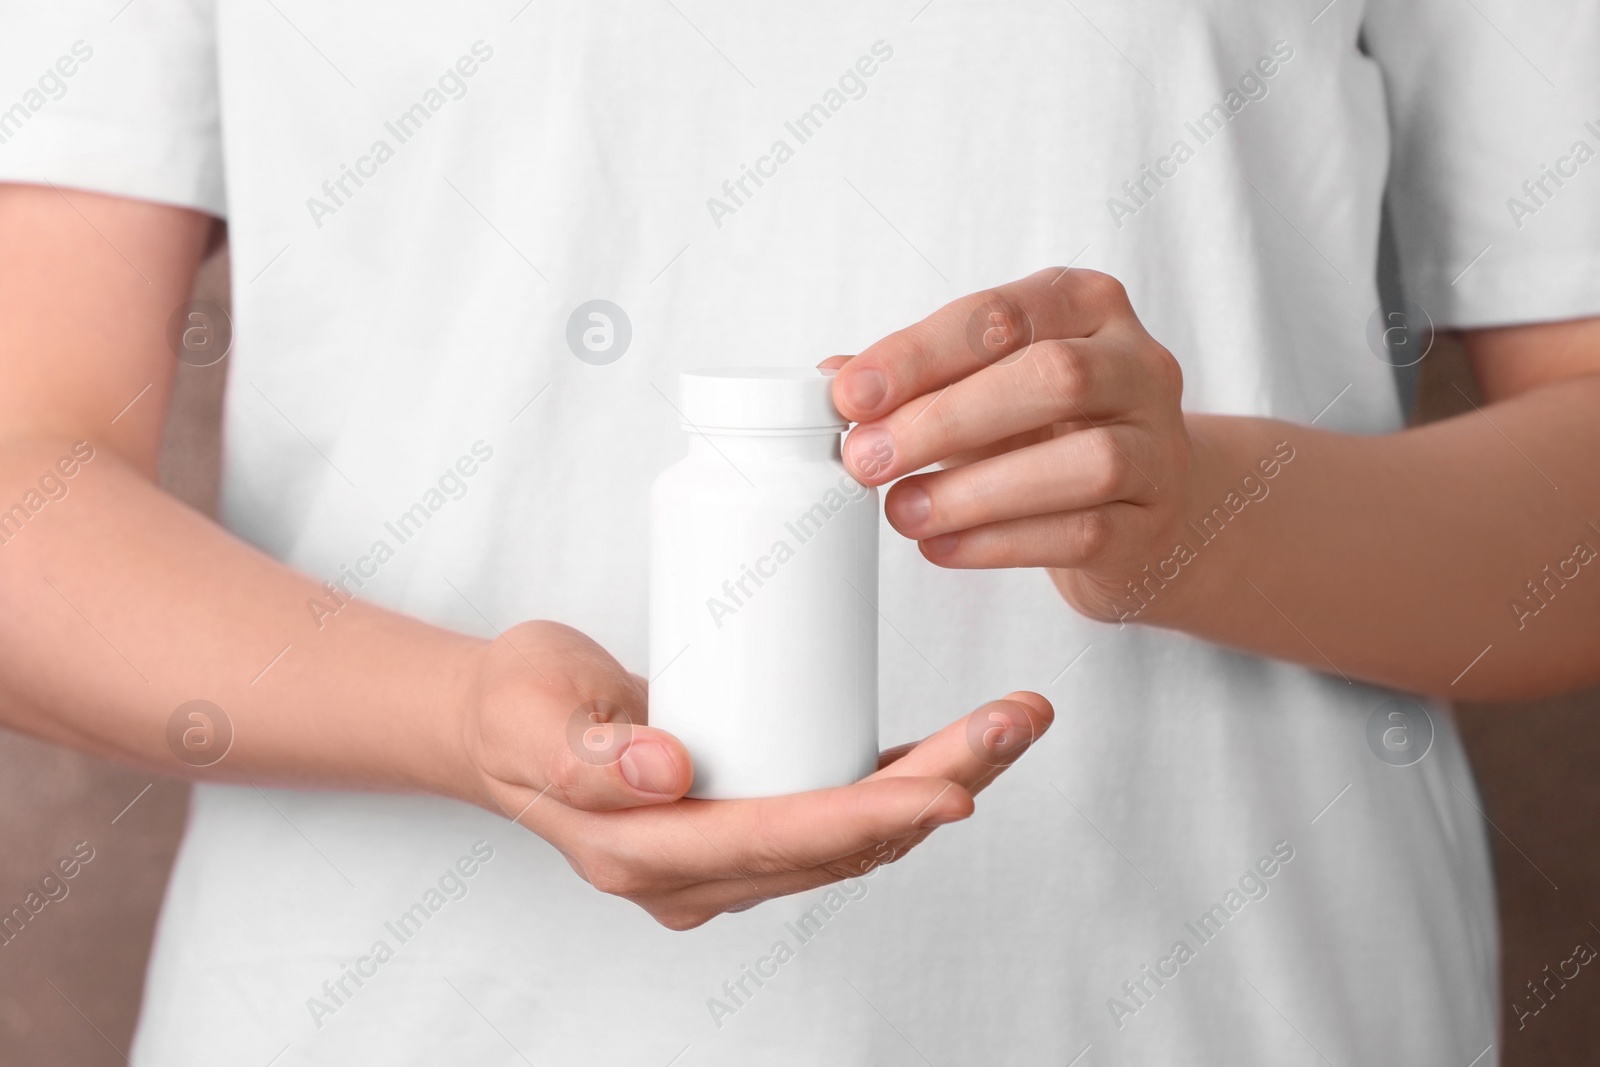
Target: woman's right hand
556	729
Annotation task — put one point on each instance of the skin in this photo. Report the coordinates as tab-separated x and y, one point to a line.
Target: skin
1052	435
1071	454
120	604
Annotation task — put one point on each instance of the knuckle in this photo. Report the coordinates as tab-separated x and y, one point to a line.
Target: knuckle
1094	533
1063	372
511	653
1105	467
538	630
575	862
614	878
998	325
614	883
1168	372
1007	311
679	919
565	779
1102	289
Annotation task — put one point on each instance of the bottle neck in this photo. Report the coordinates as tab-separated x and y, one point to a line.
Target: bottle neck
767	449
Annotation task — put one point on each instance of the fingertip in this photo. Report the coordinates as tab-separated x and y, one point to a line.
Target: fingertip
1036	703
1002	730
656	766
908	506
834	362
940	550
940	819
859	391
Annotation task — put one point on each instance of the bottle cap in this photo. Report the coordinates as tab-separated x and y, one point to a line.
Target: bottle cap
759	400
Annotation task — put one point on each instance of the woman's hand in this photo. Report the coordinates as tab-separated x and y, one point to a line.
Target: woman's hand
1056	419
557	730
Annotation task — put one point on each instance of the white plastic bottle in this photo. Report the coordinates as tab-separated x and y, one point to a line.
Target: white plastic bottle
763	589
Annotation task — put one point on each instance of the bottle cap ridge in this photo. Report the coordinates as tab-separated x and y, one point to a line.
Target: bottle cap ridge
759	400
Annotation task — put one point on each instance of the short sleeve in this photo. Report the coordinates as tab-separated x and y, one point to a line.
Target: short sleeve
1494	180
117	97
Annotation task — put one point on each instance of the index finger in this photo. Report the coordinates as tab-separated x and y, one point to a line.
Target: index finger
973	750
974	332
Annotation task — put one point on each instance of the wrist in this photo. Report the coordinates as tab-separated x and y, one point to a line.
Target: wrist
448	763
1225	520
1181	560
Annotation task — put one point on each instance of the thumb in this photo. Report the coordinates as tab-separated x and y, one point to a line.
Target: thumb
607	760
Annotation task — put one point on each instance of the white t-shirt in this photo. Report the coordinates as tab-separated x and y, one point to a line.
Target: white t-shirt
517	160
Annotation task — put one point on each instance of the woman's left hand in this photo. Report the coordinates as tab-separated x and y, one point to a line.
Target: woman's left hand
1056	420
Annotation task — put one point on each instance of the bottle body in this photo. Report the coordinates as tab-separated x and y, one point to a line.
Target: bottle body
763	624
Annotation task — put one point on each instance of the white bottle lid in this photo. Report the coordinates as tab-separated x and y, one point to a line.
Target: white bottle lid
780	400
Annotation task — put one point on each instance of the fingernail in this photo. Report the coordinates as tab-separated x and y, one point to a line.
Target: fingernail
866	389
939	819
942	545
871	451
650	768
1008	739
912	506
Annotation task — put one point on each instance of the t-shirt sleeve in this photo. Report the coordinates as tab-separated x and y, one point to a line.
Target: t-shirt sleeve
111	97
1494	180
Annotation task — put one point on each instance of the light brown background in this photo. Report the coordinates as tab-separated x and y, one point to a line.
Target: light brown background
70	984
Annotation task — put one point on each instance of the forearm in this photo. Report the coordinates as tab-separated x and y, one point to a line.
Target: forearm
1400	558
120	605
